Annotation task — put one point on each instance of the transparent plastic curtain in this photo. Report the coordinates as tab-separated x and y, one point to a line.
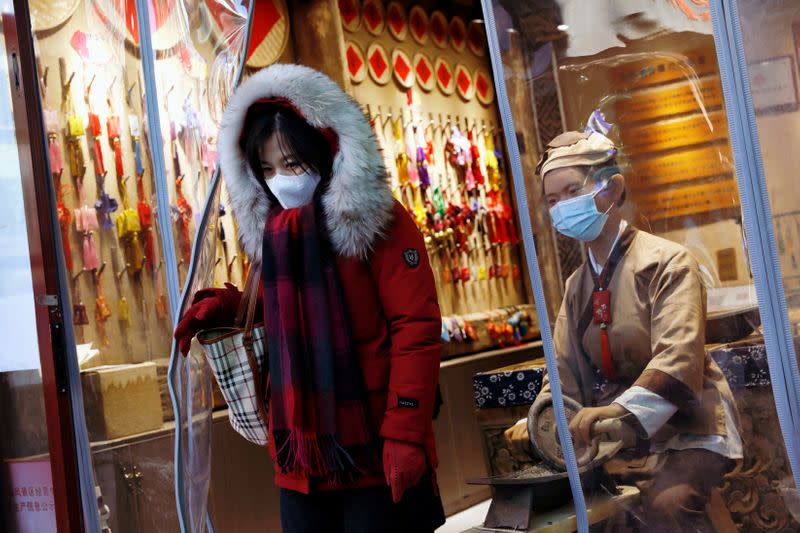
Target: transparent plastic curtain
645	75
781	346
495	30
224	24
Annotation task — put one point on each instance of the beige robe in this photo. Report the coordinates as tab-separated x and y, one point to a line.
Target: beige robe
657	337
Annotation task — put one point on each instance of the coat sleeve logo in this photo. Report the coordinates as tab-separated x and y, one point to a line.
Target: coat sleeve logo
411	257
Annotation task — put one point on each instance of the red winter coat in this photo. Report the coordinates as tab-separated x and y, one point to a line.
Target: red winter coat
385	274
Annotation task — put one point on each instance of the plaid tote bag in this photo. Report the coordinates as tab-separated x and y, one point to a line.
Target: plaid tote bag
237	356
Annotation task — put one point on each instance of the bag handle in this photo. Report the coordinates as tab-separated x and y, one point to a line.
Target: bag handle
245	315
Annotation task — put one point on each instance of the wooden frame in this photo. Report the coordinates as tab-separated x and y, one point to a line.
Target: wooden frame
37	198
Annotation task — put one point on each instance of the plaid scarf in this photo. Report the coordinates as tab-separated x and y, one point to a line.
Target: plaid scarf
318	407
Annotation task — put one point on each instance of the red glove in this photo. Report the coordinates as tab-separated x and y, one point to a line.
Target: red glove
404	464
210	308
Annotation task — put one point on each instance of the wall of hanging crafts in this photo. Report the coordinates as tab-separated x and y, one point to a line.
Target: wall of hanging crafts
92	104
99	153
425	80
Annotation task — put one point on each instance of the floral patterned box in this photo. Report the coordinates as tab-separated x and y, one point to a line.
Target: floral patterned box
743	363
509	386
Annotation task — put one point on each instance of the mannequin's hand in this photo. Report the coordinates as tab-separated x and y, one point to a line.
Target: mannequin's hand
518	441
404	464
581	425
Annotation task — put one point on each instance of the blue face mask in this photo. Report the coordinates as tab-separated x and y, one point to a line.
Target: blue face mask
578	218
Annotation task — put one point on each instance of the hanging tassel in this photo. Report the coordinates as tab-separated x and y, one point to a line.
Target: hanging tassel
64	220
79	315
124	312
184	218
90	260
402	169
102	334
469	179
94	127
146	235
410	142
118	158
413	173
102	312
607	363
77	165
161	300
476	160
137	150
56	158
424	177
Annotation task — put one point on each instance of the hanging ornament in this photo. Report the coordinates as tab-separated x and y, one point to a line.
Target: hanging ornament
418	24
444	76
79	315
64	220
378	64
438	29
269	33
403	69
464	84
476	38
423	70
458	34
396	20
484	88
121	18
350	11
374	16
356	64
48	15
93	49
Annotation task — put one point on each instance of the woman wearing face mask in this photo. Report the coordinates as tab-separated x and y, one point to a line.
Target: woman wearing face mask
351	311
629	342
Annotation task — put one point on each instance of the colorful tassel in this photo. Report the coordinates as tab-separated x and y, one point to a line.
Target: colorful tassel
124	314
90	259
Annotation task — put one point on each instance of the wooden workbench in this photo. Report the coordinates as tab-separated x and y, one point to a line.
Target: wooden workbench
562	519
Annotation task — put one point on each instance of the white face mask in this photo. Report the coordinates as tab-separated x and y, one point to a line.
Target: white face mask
294	191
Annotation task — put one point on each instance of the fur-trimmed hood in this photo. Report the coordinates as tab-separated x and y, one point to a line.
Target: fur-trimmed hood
358	203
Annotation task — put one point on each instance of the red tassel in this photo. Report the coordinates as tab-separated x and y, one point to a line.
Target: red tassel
118	158
606	363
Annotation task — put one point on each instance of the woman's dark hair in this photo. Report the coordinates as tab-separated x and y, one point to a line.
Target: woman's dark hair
296	137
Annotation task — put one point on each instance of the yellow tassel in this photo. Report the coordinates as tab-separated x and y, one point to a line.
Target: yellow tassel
124	312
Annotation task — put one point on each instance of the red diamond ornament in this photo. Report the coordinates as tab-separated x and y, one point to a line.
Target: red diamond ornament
354	62
458	34
484	89
439	29
265	16
378	64
402	67
481	86
475	38
418	21
444	74
380	69
348	11
373	16
464	83
423	71
396	17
